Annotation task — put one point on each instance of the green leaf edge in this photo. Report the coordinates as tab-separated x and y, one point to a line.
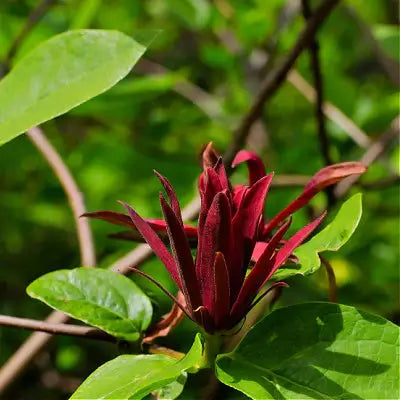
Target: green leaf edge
284	273
134	336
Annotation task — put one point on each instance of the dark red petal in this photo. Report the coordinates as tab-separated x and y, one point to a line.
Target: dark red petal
238	195
154	242
254	164
323	178
171	195
183	256
221	305
214	236
295	241
219	168
255	279
209	156
111	216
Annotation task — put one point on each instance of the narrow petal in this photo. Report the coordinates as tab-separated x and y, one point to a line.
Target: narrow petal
323	178
221	285
214	236
254	164
171	195
183	256
158	225
154	242
295	241
255	279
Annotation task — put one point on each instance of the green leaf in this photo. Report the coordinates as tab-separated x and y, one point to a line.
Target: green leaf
99	297
173	389
61	73
331	238
135	376
316	351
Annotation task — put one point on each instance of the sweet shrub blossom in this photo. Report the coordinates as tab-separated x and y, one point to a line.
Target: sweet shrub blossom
238	251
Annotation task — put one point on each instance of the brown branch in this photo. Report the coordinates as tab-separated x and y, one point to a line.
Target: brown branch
75	198
319	89
56	328
381	183
373	152
275	78
33	18
331	278
330	110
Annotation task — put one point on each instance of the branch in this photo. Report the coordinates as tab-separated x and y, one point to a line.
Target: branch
75	198
330	110
318	83
56	328
33	18
373	152
275	78
86	332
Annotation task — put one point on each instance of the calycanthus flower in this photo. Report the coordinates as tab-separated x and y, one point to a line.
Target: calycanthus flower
232	236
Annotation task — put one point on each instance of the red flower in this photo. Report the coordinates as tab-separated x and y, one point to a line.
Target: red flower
231	232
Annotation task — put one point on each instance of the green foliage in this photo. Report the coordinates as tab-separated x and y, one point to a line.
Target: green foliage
331	238
98	297
62	73
316	351
135	376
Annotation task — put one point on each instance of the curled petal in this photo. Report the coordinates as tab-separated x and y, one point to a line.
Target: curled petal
209	156
323	178
254	164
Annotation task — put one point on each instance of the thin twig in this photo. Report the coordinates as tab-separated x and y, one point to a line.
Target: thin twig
75	198
330	110
381	183
331	278
86	332
55	328
276	77
319	89
33	18
373	152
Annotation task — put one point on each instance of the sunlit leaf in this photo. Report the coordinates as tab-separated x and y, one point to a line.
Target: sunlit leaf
99	297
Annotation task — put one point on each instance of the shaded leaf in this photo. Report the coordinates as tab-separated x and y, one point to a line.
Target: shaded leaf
99	297
315	351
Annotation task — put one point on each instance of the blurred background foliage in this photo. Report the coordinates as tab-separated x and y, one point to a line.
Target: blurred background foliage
205	68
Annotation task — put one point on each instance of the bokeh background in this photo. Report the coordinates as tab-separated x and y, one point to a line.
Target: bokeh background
194	84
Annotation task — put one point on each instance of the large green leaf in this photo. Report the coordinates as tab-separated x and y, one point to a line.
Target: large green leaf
316	351
331	238
61	73
135	376
99	297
